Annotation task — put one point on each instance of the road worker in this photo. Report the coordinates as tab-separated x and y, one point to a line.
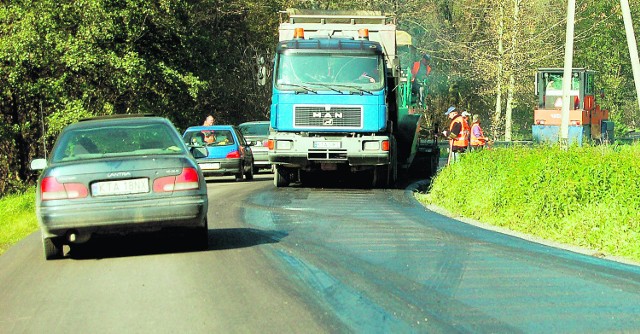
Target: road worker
467	128
457	135
419	73
478	140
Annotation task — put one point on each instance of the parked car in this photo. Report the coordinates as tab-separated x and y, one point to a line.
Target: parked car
228	151
122	174
257	133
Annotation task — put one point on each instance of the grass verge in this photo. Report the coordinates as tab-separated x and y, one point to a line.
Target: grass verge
19	218
583	196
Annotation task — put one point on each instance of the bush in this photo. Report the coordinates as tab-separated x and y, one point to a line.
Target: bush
584	196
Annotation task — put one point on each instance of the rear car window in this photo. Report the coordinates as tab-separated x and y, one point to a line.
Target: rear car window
259	129
209	137
116	140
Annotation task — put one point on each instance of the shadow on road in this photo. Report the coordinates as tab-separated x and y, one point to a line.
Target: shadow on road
165	242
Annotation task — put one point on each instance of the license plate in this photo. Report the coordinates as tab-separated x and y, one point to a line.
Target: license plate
214	165
326	144
122	187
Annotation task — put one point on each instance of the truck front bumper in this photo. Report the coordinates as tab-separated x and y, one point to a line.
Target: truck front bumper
300	151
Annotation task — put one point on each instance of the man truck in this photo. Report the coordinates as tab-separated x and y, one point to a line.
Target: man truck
338	102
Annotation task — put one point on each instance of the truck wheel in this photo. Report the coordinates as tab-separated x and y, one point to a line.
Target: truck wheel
380	177
280	177
52	248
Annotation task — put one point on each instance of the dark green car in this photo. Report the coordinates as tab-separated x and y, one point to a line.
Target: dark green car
118	175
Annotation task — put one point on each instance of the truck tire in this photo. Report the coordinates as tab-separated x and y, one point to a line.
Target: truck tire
380	177
280	177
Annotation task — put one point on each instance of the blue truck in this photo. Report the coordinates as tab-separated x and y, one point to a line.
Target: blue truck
341	102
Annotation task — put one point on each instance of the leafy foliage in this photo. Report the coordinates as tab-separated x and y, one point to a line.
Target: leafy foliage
65	60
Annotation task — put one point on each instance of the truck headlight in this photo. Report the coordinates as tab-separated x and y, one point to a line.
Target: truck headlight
371	145
283	145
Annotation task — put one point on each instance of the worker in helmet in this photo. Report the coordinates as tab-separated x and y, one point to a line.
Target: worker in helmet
457	135
465	124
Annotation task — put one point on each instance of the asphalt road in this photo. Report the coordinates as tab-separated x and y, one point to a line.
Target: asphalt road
326	259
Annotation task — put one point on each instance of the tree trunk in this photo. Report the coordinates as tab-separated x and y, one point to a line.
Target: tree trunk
498	112
512	80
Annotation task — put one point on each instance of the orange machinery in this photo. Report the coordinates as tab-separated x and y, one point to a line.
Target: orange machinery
587	122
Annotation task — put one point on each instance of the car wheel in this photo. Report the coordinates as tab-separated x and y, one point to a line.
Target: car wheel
249	174
200	236
256	169
52	248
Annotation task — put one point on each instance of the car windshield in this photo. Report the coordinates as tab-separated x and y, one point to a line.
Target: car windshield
255	129
324	71
208	138
116	140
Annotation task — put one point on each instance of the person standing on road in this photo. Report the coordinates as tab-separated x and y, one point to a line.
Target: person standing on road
209	136
478	140
209	120
458	137
467	128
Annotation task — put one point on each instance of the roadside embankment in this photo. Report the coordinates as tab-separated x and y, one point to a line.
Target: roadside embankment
18	218
583	196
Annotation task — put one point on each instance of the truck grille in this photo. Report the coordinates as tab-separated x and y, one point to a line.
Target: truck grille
310	116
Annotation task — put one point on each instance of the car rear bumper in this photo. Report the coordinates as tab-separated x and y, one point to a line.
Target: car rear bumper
130	215
261	159
221	167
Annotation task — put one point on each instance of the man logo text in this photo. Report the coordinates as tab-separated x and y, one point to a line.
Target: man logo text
327	115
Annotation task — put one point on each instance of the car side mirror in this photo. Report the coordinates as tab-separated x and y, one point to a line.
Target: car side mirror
199	152
38	164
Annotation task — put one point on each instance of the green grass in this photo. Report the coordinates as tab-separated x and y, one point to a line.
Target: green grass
583	196
19	218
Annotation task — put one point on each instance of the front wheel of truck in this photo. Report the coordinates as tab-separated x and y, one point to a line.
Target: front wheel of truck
280	177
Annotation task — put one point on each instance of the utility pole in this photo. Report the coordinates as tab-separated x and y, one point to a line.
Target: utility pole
568	70
631	42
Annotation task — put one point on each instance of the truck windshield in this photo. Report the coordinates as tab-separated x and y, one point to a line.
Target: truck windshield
329	72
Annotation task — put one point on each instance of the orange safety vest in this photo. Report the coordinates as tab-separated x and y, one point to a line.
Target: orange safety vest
462	140
416	68
477	141
466	127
